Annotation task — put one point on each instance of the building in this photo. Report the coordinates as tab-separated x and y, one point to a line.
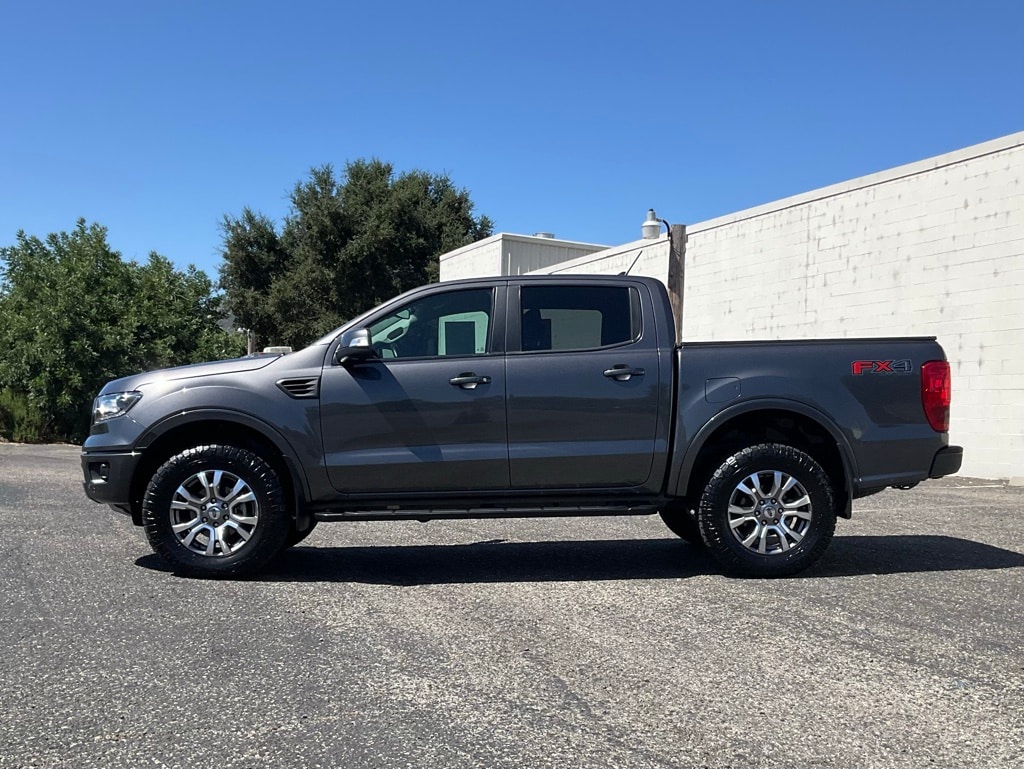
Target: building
931	248
507	254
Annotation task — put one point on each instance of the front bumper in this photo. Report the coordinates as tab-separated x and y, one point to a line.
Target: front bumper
946	461
108	477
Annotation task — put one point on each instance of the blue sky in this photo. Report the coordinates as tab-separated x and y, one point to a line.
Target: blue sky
157	118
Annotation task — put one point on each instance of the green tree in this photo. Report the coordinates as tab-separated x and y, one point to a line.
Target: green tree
254	261
73	315
344	247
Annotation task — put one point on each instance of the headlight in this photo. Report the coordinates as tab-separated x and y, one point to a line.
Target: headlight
113	405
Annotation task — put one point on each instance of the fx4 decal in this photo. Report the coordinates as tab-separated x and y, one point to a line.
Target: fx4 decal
905	366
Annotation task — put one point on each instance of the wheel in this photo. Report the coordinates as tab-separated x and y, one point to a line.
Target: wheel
294	537
767	511
681	521
216	511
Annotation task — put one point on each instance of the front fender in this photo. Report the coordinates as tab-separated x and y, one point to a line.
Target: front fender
173	422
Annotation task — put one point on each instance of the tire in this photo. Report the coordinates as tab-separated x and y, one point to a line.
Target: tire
216	511
767	511
682	522
294	537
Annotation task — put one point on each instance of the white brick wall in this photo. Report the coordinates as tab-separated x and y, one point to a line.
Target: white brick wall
934	248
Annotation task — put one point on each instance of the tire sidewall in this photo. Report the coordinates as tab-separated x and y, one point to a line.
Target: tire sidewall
713	516
272	528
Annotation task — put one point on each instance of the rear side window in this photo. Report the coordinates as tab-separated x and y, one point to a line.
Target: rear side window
578	317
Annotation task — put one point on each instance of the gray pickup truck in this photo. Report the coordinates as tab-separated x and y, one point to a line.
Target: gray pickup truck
527	396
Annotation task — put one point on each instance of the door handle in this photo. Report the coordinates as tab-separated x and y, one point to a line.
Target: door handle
620	372
468	380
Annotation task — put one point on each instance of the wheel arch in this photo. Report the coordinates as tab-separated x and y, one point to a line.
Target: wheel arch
217	426
770	421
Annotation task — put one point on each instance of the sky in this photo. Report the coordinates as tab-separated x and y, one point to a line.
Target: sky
156	119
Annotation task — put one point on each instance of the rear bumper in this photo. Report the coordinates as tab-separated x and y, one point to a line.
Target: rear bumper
946	461
108	477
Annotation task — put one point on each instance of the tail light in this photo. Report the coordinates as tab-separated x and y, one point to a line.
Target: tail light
936	393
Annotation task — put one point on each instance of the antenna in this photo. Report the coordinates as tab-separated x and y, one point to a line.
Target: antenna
633	264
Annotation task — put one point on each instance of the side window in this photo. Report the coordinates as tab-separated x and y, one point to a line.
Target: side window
578	317
452	323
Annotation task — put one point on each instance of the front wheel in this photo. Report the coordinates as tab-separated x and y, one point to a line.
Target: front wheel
216	511
768	511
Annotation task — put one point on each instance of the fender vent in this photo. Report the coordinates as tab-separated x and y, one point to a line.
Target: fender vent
301	387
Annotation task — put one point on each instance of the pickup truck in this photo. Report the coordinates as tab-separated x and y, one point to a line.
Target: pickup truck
522	396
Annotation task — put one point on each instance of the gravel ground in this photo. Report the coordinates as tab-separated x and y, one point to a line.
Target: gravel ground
531	643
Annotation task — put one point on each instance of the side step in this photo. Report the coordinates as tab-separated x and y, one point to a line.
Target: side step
428	514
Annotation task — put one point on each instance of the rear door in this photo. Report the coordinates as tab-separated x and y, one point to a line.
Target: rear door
583	385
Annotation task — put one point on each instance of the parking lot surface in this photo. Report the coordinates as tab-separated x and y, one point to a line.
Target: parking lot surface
522	643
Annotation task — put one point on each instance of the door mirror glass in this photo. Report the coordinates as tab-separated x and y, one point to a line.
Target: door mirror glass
355	345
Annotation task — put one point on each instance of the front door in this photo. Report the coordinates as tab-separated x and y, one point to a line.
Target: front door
428	413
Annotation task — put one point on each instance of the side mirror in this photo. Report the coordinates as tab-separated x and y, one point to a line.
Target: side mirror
355	346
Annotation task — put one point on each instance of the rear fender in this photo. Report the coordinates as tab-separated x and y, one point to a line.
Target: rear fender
682	478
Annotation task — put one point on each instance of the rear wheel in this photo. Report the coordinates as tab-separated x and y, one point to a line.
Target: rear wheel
768	511
216	511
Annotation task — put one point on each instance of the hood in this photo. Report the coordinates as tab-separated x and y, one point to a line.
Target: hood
193	371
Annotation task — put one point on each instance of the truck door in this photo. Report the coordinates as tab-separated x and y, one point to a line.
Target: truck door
428	412
583	385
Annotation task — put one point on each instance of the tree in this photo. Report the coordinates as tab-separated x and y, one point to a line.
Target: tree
256	261
74	315
344	247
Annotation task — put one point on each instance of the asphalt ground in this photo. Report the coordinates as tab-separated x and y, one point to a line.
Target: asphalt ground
528	643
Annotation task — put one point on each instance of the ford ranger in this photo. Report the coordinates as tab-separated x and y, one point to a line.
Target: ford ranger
524	396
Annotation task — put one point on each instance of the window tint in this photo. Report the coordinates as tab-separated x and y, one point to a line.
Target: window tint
578	317
452	323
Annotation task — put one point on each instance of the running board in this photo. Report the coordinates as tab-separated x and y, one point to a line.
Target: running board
553	511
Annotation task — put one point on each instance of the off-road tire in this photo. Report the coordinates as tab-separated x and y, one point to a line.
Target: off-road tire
768	463
266	538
